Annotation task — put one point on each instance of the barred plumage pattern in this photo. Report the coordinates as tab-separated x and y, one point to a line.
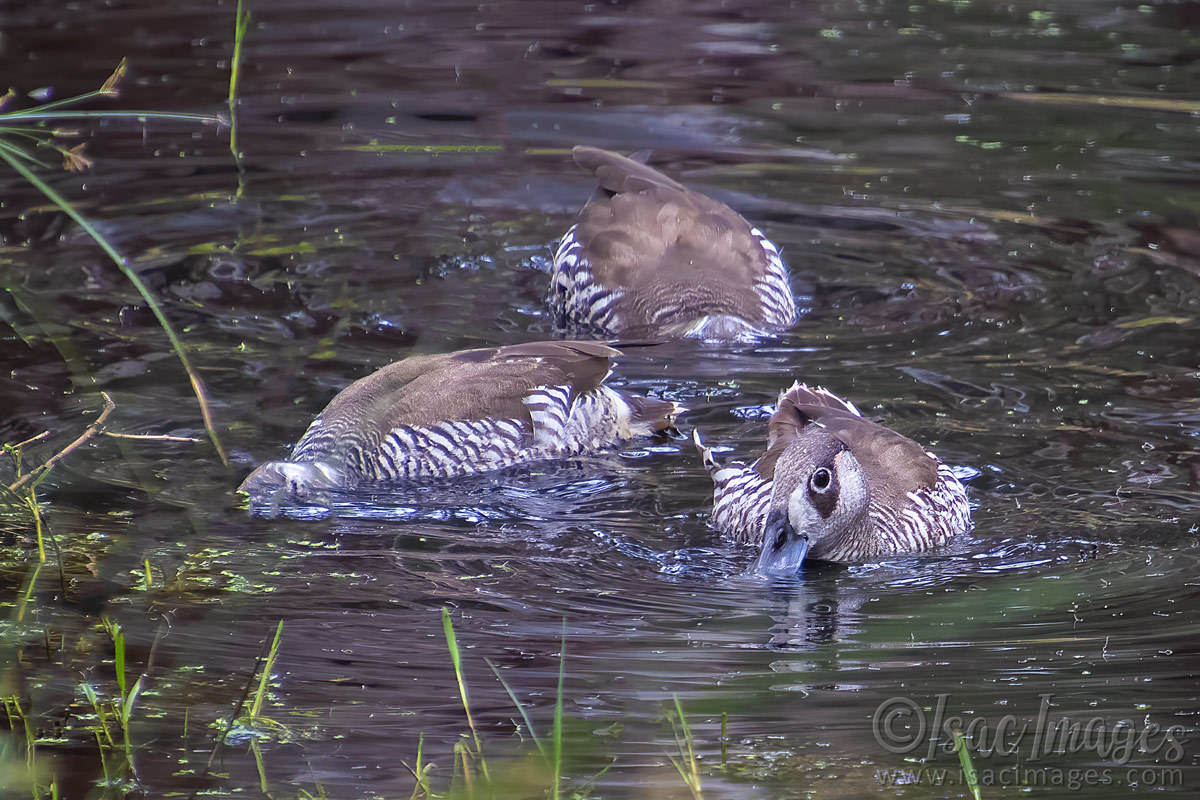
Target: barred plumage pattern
576	300
773	289
931	519
912	500
934	516
461	413
740	500
451	448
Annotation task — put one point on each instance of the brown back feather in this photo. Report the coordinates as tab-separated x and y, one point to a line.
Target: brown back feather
470	384
666	245
895	464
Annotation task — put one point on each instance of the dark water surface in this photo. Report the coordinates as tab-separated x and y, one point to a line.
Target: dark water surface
996	257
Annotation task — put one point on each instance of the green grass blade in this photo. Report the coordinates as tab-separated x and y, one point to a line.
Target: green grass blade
37	134
17	152
968	768
675	762
262	768
416	771
103	760
35	510
118	639
265	676
130	700
420	747
456	660
686	764
90	693
556	731
421	772
66	101
40	113
242	23
127	714
27	594
520	708
724	740
135	279
687	734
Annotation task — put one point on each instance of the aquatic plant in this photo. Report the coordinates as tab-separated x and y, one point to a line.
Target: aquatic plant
254	725
241	25
686	764
22	132
552	758
25	134
472	777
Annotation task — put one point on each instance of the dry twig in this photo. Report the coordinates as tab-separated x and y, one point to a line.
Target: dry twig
83	439
151	437
32	439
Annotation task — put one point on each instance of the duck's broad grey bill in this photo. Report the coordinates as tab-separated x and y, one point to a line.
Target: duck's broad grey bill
783	547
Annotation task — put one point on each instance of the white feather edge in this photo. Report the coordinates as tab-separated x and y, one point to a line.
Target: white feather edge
710	463
822	392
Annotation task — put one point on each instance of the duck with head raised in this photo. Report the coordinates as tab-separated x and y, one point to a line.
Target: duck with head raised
835	486
650	257
460	413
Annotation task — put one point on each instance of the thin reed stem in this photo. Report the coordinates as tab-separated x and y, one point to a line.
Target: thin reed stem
136	280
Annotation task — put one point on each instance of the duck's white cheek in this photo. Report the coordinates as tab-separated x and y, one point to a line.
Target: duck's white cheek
855	494
802	515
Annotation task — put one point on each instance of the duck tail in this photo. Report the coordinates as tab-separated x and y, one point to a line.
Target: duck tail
652	413
710	462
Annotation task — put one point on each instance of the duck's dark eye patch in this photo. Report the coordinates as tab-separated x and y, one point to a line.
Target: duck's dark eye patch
821	479
823	491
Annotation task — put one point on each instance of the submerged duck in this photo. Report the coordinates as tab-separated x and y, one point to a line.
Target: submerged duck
651	257
835	486
461	413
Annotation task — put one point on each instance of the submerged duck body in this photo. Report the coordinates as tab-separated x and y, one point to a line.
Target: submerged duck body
835	486
648	256
462	413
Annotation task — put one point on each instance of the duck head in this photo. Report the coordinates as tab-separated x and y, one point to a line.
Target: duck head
820	494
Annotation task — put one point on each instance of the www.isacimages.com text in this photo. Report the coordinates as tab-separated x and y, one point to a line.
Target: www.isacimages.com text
1071	779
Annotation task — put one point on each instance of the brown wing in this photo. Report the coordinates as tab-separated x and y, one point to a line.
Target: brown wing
665	245
469	384
896	464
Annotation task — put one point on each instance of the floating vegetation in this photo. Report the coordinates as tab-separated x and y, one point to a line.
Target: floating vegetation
606	83
1077	99
374	146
